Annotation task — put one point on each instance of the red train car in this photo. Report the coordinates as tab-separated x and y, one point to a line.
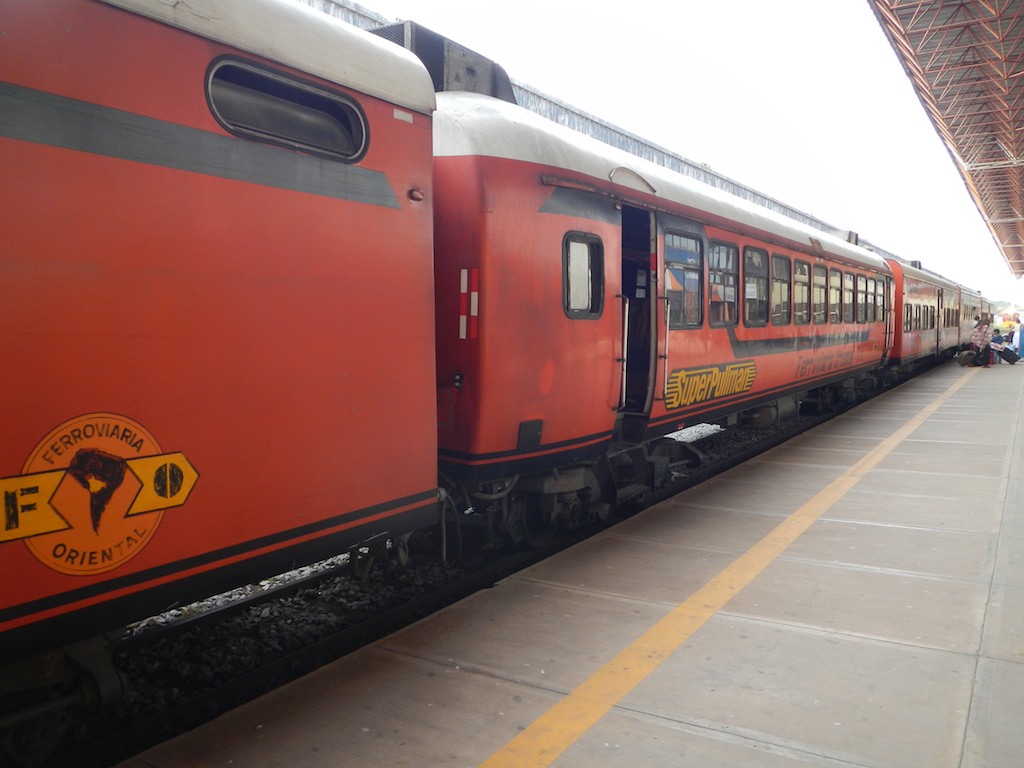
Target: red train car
928	313
217	308
589	301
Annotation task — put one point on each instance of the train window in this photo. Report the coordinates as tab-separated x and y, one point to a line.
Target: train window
880	300
684	267
260	104
801	293
755	286
723	277
848	305
819	294
870	295
835	296
917	317
780	290
908	317
582	276
862	299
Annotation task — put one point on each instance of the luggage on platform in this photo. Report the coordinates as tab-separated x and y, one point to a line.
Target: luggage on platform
1008	355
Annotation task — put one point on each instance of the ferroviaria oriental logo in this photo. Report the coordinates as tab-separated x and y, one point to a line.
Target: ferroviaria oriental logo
92	494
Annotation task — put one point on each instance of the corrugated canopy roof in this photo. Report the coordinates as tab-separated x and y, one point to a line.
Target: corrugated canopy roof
966	61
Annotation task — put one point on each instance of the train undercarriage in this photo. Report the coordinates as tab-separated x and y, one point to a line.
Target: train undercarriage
530	509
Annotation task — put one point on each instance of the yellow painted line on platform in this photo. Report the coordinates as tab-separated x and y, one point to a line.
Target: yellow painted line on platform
560	727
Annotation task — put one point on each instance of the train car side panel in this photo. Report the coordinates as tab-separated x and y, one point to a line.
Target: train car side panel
526	371
752	347
221	339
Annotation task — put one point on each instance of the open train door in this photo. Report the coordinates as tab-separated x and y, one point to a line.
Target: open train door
639	321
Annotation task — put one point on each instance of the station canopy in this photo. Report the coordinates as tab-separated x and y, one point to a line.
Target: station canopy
965	59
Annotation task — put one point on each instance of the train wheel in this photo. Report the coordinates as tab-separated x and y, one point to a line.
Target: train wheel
400	547
32	741
538	527
360	562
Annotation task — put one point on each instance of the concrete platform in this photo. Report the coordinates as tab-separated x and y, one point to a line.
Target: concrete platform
853	598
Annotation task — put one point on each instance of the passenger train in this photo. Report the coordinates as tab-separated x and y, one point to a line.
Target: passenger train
268	297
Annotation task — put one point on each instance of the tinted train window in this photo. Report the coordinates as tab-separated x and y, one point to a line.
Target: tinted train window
684	268
862	298
723	278
835	296
755	286
802	293
880	300
820	295
869	312
908	317
780	290
848	306
582	276
268	106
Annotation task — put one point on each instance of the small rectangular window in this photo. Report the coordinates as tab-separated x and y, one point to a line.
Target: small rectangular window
723	279
684	269
801	293
917	317
755	286
880	301
869	295
819	294
848	305
780	290
862	299
582	276
835	296
908	317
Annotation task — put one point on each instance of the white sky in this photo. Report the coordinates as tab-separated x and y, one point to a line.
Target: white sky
803	100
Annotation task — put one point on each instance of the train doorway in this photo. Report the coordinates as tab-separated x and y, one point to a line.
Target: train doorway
638	303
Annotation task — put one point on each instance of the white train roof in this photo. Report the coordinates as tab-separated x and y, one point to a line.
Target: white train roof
299	36
471	124
924	275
